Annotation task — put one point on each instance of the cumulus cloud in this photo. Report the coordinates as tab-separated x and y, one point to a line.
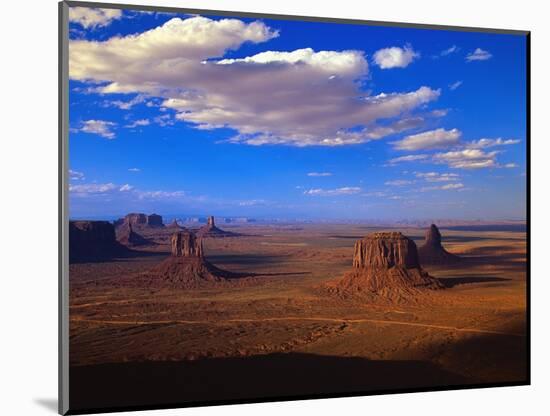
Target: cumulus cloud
138	123
432	139
394	57
447	187
484	143
347	190
478	55
75	175
96	188
437	177
91	18
319	174
160	194
455	85
100	127
111	190
299	98
467	159
128	104
134	170
408	158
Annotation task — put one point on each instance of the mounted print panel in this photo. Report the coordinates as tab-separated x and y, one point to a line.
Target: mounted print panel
260	208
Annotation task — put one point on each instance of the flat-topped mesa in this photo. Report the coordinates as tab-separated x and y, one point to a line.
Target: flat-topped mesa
186	244
433	252
127	236
385	263
385	250
92	240
140	220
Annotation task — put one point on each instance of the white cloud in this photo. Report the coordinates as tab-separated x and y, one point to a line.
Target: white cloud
437	177
433	139
398	182
394	57
252	202
100	127
91	18
447	187
160	194
484	143
127	105
449	51
101	190
440	112
455	85
138	123
134	170
75	175
408	158
319	174
93	188
478	55
467	159
347	190
299	98
510	165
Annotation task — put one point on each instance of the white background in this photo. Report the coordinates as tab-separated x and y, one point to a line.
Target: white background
28	216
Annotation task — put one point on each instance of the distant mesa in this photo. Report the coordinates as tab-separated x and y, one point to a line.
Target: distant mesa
385	263
92	241
139	220
126	235
211	231
187	266
432	251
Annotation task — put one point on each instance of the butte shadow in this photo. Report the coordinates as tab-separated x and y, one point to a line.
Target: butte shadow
278	375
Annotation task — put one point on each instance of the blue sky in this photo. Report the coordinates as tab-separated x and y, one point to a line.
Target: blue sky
197	115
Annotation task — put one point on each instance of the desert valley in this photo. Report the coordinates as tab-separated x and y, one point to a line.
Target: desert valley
173	313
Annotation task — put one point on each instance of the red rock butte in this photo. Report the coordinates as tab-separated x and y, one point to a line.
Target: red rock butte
187	266
385	263
433	252
211	231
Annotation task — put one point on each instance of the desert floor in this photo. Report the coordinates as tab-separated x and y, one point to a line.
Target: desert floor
282	334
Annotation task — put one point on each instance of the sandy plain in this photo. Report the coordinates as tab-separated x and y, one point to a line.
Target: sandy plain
281	334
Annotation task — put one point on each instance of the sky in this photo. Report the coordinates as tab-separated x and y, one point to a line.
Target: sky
205	115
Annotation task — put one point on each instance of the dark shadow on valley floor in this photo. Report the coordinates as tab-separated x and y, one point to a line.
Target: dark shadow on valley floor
242	378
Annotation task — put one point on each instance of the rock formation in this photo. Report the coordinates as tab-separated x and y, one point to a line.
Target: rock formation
211	231
186	244
155	220
186	266
128	237
174	225
92	240
432	252
385	263
139	220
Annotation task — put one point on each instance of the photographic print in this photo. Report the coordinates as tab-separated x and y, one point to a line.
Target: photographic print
270	208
